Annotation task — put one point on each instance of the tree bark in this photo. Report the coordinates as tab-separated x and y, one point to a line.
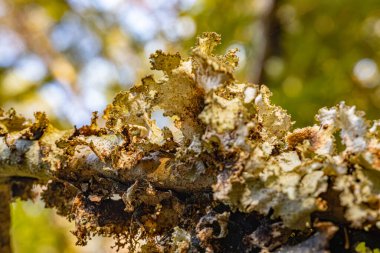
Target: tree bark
24	159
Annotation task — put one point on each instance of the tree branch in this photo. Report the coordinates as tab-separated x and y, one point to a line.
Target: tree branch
25	159
133	179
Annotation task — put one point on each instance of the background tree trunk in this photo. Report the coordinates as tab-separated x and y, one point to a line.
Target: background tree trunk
5	218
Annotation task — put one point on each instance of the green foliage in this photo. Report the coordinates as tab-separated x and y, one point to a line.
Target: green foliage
36	229
361	248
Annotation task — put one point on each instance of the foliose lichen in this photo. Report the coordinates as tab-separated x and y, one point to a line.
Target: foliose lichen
179	158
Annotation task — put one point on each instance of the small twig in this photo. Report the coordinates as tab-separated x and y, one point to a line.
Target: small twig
346	240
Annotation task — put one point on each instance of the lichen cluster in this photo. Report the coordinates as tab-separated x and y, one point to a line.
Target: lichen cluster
198	161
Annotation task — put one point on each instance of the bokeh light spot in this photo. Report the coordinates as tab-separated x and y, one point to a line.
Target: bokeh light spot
366	72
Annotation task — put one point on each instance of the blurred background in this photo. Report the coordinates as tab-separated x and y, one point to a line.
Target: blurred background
69	58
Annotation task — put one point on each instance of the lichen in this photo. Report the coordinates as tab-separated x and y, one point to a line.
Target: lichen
184	158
